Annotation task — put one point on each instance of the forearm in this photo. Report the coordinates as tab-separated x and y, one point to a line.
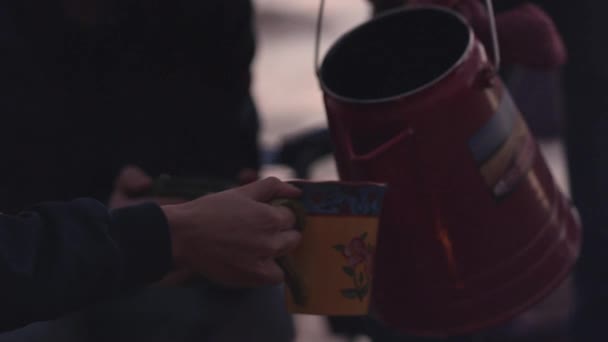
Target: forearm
59	258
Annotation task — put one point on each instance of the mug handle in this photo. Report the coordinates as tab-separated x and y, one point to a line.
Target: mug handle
292	279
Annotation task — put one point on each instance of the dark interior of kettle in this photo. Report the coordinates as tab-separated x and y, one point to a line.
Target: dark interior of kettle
396	54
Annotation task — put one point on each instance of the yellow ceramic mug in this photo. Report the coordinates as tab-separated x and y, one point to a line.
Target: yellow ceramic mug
330	273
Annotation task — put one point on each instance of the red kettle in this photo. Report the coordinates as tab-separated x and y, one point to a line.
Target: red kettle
474	229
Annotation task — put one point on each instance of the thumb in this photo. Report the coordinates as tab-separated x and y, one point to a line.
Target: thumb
247	176
132	179
268	189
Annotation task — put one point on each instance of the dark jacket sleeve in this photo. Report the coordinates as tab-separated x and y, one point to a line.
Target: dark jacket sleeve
61	257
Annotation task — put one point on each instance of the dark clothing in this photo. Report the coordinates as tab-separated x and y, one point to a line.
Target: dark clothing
61	257
160	84
206	314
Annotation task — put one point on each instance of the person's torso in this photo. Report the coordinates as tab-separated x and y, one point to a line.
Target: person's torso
165	85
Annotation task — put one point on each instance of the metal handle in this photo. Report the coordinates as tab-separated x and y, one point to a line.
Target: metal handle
494	33
492	23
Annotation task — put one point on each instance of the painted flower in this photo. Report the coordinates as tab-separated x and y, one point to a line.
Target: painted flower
356	252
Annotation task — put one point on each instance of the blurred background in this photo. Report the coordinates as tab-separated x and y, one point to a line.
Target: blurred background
285	85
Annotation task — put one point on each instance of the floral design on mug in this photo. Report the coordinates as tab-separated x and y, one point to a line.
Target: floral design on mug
359	257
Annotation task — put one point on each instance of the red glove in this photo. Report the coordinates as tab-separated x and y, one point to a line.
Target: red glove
527	35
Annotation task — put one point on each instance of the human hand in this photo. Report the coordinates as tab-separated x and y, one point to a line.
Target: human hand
177	278
133	181
234	237
247	176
